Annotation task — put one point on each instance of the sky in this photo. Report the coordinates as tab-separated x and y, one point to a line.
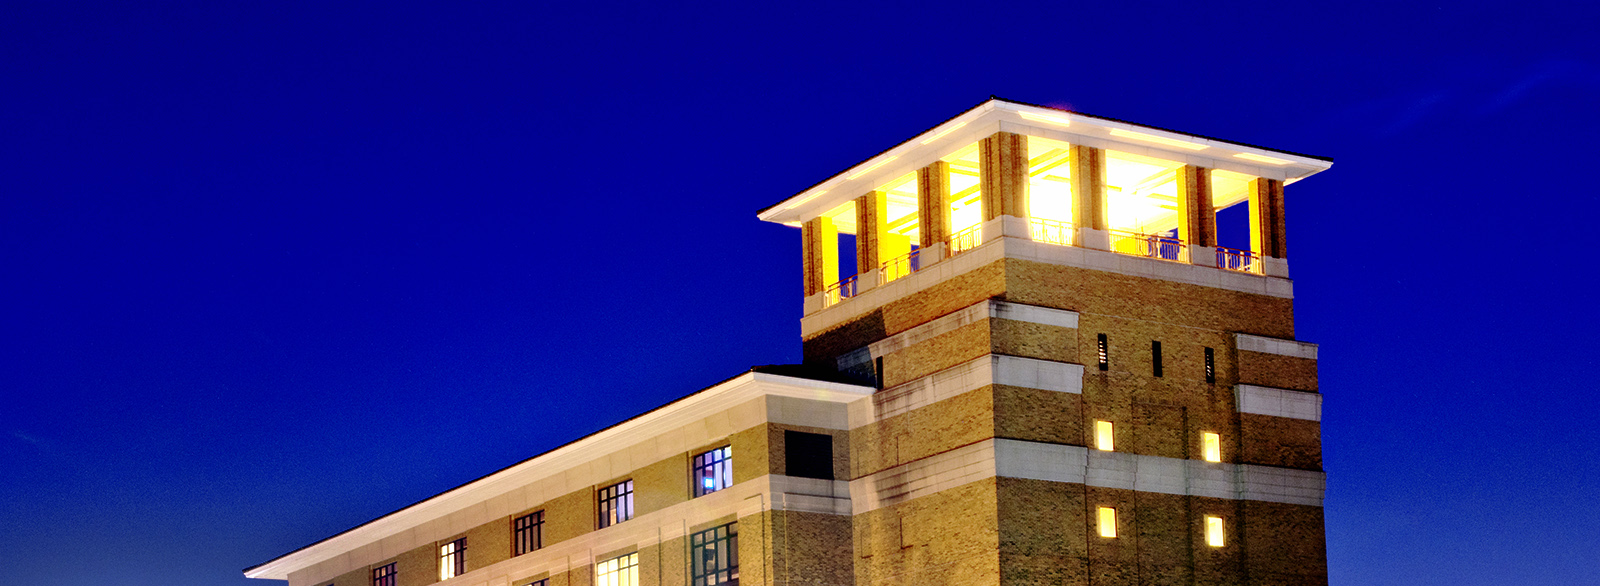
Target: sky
271	270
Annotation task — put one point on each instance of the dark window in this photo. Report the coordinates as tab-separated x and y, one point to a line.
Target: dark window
714	556
544	582
877	372
1155	358
808	455
1105	356
1211	366
713	471
383	576
527	533
453	559
616	503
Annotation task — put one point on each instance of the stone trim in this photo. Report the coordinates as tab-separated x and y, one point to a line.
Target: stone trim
1079	465
1278	402
989	369
988	308
1277	346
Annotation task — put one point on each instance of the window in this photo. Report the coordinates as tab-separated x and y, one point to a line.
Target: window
453	559
1102	436
1108	522
544	582
877	372
383	576
713	471
1213	531
618	571
616	503
1211	367
808	455
714	556
1105	356
527	533
1155	358
1211	446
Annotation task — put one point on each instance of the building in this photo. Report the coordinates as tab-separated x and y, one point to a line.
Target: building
1047	372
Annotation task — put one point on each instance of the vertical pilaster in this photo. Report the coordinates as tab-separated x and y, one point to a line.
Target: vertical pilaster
1003	175
933	203
1087	165
820	246
1197	216
871	225
1266	217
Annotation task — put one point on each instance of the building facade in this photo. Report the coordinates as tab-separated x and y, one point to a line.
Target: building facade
1032	355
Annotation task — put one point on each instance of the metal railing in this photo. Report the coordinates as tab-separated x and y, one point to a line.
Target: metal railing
1243	261
1149	245
840	291
965	240
1050	231
900	266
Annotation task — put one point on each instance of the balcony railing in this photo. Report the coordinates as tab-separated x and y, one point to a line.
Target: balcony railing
1050	231
1243	261
965	240
900	266
840	291
1149	245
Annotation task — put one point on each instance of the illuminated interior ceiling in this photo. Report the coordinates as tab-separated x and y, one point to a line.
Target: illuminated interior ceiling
966	201
901	196
1049	180
1228	188
1141	193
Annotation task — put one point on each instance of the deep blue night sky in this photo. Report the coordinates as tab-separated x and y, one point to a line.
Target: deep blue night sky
271	270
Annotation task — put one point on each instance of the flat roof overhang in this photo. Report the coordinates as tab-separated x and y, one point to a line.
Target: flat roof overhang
996	115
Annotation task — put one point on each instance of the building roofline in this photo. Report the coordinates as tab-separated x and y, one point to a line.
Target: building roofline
993	99
790	371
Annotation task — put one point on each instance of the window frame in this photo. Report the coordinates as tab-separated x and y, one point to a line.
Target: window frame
454	560
715	465
1105	437
1103	352
384	575
726	572
1106	522
614	504
620	579
534	526
1211	366
1155	358
1216	531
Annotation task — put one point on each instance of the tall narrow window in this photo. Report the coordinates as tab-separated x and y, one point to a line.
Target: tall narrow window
713	471
618	571
1108	522
616	503
1105	356
1213	531
527	533
383	575
1211	366
1102	436
1155	358
877	372
1211	446
453	559
714	556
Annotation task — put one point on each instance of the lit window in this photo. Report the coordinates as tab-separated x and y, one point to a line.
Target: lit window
1105	356
713	471
1211	366
1102	436
453	559
383	575
1108	522
619	571
545	582
616	503
714	556
527	533
1213	531
1211	445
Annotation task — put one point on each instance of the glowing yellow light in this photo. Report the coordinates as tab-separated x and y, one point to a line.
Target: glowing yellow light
875	166
1211	444
1182	144
1108	522
946	131
1046	118
1261	158
1213	531
1102	436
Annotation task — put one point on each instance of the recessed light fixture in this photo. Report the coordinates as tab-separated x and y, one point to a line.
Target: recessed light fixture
1261	158
1182	144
